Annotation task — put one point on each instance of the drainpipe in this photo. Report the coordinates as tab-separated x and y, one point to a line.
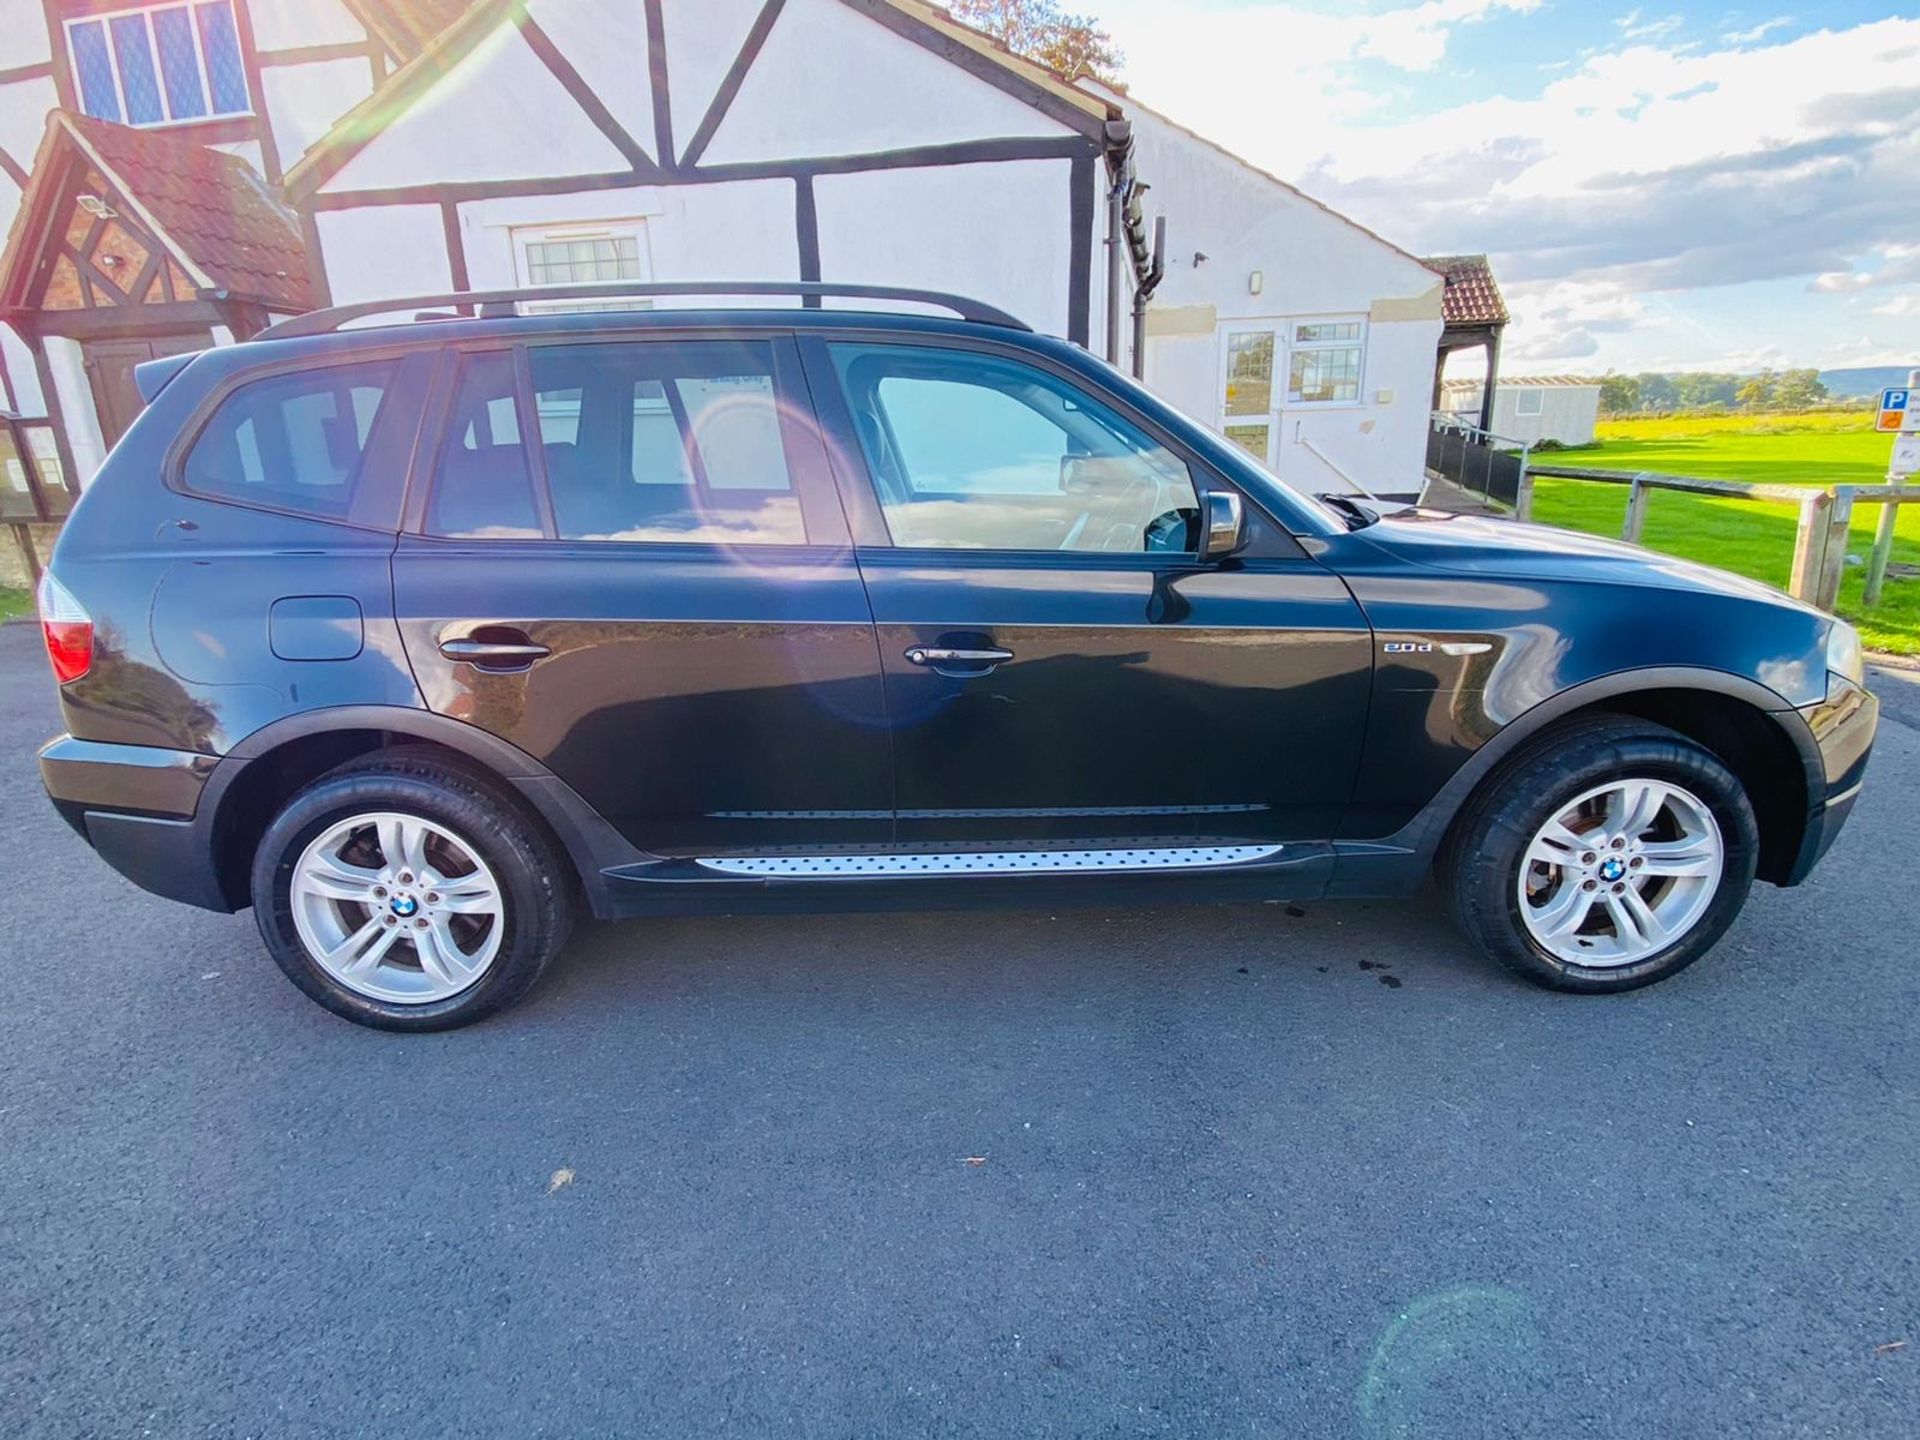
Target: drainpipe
1119	140
1144	292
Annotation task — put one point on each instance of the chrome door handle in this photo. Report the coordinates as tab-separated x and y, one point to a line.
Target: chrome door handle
493	654
960	663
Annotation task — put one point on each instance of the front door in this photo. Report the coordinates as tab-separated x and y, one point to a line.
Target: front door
1290	382
656	597
110	365
1058	666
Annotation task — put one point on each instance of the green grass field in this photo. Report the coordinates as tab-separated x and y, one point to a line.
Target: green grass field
14	603
1753	538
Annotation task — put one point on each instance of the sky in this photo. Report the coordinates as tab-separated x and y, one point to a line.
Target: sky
1661	187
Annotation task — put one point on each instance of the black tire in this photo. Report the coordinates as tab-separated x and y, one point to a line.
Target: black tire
533	874
1480	864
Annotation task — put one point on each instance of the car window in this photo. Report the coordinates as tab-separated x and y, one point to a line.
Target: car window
482	484
292	442
664	442
973	451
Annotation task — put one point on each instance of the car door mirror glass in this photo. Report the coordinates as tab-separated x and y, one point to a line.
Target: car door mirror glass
1224	525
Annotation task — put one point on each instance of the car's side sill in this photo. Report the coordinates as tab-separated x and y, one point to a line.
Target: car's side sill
940	880
959	864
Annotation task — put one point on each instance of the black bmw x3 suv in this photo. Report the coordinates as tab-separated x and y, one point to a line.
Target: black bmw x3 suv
422	638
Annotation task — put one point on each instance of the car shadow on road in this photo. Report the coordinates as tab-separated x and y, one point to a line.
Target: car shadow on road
1022	957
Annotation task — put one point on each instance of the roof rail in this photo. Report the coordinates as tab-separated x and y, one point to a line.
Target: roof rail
499	304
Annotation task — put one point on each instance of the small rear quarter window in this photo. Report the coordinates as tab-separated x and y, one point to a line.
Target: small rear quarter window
292	442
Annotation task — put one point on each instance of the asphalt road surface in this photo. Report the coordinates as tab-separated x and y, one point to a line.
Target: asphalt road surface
1194	1172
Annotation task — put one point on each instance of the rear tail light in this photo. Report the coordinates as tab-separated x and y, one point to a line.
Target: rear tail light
68	630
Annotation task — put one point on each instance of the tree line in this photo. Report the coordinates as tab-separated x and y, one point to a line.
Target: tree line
1708	390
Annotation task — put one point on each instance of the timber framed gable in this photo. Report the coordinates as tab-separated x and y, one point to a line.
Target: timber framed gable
700	115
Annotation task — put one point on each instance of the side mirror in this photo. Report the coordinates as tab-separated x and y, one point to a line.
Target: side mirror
1223	525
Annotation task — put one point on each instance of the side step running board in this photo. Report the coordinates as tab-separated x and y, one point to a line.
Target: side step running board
990	862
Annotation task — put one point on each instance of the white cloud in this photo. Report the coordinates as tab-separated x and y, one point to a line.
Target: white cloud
1905	306
1849	354
1759	32
1565	320
1892	265
1646	167
1634	28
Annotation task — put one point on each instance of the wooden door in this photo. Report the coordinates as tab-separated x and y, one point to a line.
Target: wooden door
110	366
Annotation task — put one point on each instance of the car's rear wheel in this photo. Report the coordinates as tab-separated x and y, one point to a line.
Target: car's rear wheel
1610	853
405	893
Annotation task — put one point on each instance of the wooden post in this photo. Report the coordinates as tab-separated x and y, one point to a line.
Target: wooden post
1523	495
1883	544
23	537
1834	562
1810	546
1636	510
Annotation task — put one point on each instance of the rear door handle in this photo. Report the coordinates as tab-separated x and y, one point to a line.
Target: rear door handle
494	654
959	664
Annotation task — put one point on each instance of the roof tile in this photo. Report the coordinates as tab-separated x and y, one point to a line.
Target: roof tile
214	206
1472	297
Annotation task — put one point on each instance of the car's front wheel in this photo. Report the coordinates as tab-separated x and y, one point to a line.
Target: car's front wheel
1609	854
404	893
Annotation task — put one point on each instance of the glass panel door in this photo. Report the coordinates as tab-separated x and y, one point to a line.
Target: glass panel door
1249	404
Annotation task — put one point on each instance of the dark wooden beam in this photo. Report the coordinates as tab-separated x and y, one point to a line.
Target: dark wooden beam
115	323
257	93
50	397
312	54
316	260
1002	76
659	81
1082	200
806	218
61	61
584	96
456	246
970	152
730	86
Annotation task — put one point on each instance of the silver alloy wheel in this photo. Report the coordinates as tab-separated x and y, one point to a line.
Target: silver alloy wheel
397	908
1620	873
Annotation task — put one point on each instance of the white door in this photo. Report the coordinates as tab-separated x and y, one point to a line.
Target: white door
1252	355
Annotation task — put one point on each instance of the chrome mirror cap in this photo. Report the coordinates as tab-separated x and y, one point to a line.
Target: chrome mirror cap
1224	522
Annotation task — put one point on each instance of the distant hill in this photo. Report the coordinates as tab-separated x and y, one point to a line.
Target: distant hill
1871	380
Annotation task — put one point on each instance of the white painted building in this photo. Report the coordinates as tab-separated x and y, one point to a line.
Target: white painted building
418	146
1304	337
1531	408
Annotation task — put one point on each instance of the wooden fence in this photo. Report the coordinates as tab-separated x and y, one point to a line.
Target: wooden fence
1819	545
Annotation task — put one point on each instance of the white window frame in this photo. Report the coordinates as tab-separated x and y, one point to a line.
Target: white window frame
1522	394
525	236
1296	346
105	18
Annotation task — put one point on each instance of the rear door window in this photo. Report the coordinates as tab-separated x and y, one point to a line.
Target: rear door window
483	483
666	443
293	442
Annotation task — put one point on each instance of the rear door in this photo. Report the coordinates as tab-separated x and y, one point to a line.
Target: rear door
630	562
1058	665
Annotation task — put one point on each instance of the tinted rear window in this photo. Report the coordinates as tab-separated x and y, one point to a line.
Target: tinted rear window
292	442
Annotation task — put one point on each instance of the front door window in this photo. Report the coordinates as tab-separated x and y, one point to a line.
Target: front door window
977	452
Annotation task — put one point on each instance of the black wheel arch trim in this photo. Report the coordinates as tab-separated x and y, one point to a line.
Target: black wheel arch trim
1398	862
590	842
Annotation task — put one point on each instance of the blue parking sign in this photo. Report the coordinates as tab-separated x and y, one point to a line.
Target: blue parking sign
1893	399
